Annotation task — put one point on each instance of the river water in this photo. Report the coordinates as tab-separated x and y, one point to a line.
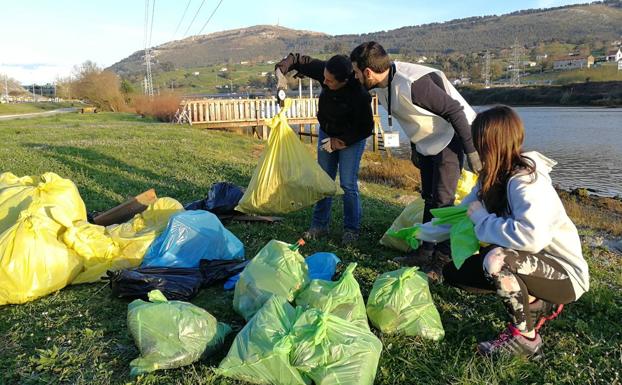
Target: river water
586	143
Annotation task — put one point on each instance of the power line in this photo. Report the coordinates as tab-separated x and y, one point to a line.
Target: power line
182	18
210	17
151	29
194	18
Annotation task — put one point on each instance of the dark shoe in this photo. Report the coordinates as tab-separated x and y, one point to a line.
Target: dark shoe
434	269
542	311
315	233
419	257
511	342
349	237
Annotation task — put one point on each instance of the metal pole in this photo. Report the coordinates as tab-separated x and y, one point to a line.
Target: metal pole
310	88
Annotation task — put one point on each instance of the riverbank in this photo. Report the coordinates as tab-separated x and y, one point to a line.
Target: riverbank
596	94
79	335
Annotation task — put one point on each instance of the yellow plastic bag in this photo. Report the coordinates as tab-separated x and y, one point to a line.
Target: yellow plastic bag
413	213
287	177
135	236
33	262
17	193
96	248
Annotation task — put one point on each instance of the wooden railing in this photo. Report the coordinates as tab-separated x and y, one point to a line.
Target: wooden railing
238	114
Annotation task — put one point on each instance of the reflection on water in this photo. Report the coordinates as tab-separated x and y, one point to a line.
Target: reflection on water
586	143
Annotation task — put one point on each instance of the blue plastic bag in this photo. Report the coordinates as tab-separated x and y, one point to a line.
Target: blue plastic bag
191	236
322	265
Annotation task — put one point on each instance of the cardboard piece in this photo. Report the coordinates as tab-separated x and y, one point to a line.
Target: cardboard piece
126	210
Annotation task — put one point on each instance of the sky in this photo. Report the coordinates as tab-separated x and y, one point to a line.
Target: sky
41	40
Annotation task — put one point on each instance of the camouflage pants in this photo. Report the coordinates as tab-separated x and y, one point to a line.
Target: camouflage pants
513	276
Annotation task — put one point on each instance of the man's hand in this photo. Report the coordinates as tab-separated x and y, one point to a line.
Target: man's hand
281	80
475	164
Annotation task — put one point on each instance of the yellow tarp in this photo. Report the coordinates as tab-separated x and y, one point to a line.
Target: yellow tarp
287	178
413	213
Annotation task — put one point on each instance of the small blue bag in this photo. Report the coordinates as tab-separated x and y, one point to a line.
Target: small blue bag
191	236
322	265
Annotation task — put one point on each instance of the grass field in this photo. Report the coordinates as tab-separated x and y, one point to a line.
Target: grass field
79	335
25	108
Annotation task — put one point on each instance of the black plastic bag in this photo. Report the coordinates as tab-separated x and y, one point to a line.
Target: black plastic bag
221	198
175	283
219	270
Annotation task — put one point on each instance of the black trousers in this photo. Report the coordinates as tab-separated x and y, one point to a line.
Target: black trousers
439	175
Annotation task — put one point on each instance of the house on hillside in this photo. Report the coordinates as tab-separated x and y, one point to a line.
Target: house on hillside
614	55
573	62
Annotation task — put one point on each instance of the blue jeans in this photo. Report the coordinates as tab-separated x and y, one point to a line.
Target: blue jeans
348	161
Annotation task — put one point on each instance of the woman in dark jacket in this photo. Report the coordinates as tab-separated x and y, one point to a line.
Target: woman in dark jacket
346	121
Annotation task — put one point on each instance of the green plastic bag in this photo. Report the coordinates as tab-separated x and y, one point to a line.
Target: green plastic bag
260	352
287	178
342	298
464	242
413	214
170	334
276	269
394	238
331	350
407	235
400	302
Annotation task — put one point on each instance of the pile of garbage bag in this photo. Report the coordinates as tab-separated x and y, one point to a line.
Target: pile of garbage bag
46	243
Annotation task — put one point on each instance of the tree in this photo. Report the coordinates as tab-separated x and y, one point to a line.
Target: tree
99	87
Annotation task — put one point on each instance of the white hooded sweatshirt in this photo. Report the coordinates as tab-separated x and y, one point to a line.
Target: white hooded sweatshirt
537	222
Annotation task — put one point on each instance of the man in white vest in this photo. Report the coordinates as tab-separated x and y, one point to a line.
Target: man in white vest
434	116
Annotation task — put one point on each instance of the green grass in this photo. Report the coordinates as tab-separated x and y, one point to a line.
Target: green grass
79	334
601	73
24	108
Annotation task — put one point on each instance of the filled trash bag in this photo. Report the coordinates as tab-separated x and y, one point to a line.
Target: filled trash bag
170	334
400	302
260	352
413	214
322	265
136	235
287	178
191	236
222	198
16	194
331	350
174	283
342	298
33	262
216	270
276	269
97	249
462	238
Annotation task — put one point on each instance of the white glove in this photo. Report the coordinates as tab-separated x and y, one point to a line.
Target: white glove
325	145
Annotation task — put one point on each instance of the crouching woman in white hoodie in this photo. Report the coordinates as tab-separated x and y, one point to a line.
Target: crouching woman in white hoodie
534	262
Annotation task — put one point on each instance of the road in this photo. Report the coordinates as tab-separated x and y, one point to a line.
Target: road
39	114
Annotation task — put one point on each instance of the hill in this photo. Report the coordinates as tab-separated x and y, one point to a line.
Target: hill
577	24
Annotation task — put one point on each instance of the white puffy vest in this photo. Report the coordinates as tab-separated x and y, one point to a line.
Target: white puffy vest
430	133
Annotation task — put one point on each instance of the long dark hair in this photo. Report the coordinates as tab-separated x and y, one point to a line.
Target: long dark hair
498	135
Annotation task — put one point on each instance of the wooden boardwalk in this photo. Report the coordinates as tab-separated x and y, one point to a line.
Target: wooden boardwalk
249	115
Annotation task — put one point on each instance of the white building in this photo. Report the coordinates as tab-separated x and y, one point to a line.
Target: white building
614	55
573	62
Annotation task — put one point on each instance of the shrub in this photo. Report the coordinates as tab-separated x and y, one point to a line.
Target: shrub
162	107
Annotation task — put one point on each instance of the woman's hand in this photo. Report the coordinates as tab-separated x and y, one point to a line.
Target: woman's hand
473	207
